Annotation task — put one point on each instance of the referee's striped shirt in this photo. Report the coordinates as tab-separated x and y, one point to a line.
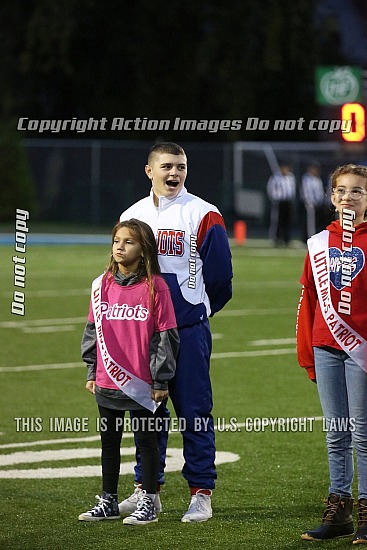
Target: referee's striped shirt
312	190
281	188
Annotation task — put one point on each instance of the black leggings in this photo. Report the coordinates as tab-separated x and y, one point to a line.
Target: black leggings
111	430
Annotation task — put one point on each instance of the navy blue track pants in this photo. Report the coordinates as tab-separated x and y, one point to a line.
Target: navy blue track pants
191	395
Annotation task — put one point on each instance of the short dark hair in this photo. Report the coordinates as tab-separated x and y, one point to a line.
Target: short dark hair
168	147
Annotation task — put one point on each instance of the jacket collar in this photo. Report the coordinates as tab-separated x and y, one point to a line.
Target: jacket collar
164	202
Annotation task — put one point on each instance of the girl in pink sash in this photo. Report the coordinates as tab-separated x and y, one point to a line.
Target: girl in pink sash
130	344
332	347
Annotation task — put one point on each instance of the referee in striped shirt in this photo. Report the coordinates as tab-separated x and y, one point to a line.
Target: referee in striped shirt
281	189
313	197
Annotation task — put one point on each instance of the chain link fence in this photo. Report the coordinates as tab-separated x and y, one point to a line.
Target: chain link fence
90	182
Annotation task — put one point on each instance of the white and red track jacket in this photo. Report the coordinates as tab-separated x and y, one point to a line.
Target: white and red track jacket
193	253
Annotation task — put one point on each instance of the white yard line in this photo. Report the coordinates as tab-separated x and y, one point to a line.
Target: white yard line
266	284
259	353
67	324
37	330
175	462
272	342
49	366
43	322
223	355
72	320
254	312
59	293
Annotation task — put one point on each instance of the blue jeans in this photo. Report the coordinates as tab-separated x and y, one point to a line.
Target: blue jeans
342	387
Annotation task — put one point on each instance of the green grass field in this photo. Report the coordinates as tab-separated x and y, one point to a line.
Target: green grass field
271	480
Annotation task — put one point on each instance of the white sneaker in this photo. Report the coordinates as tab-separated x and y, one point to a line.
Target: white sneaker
200	509
129	505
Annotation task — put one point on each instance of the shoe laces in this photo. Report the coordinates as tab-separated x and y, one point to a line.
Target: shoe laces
331	510
134	497
137	492
145	505
101	506
362	512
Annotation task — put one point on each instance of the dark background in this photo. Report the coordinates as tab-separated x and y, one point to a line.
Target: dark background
205	59
196	60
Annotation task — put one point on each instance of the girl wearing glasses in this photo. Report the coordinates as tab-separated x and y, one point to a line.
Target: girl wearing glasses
332	347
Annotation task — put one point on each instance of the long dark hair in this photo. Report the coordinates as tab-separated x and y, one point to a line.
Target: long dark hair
149	265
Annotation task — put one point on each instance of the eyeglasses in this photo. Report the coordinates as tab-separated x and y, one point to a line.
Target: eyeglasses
355	194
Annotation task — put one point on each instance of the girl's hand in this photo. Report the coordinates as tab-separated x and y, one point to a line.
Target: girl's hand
91	386
158	395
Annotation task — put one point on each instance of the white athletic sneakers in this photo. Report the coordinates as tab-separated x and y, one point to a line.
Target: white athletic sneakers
200	508
129	505
144	513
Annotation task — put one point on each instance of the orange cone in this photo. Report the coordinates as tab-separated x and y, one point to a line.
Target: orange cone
239	232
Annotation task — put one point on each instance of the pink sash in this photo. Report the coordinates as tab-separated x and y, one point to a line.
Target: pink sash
131	385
